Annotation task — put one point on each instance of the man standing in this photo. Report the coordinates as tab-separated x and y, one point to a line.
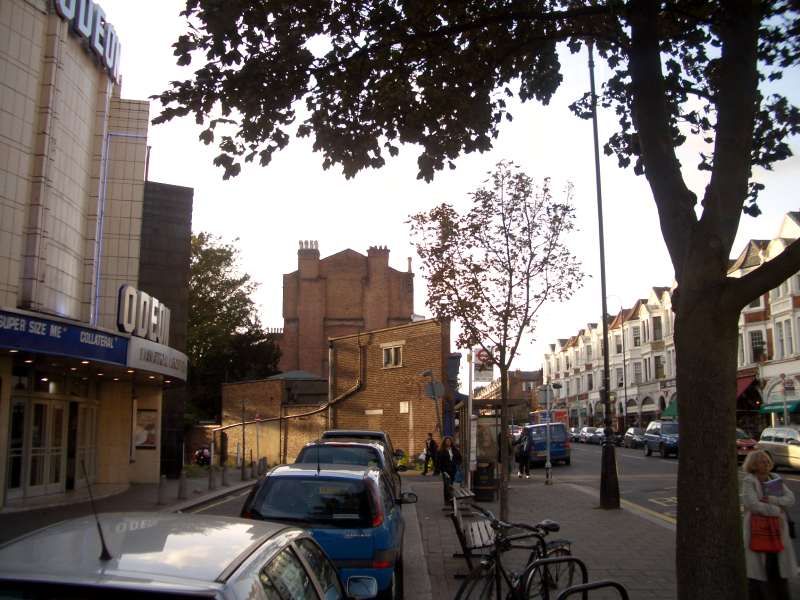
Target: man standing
430	454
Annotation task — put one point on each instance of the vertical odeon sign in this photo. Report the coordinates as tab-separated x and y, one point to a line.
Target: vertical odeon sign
142	315
88	20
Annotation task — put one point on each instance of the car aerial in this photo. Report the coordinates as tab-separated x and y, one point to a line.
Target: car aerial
782	444
351	512
169	555
745	444
361	452
574	434
661	437
633	438
537	443
586	433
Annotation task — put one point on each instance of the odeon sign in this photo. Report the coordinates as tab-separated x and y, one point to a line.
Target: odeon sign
142	315
88	20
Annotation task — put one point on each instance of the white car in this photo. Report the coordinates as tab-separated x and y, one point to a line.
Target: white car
782	444
173	556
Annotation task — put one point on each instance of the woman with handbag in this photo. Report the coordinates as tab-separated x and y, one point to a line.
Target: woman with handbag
769	553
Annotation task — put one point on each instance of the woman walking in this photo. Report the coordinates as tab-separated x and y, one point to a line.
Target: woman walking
448	462
769	557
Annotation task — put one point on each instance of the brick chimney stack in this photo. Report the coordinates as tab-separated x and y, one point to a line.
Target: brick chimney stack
308	259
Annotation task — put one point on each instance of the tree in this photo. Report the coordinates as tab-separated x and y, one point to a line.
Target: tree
494	267
225	339
437	74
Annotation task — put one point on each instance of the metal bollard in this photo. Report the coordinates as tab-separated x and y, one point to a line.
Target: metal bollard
212	484
182	485
162	490
225	475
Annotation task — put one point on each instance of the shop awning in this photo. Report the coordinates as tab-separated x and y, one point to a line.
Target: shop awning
742	383
777	407
671	412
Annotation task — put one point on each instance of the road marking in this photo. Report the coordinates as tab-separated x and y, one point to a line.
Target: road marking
227	499
669	501
634	507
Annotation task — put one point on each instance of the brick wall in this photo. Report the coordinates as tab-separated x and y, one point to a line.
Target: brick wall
391	399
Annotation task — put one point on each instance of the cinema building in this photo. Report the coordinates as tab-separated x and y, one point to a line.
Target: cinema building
88	329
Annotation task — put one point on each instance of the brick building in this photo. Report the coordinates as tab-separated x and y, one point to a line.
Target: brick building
523	394
336	296
377	383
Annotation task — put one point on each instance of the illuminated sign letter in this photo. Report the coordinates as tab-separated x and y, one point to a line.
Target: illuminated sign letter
142	315
126	309
98	31
152	328
83	18
109	47
163	325
66	8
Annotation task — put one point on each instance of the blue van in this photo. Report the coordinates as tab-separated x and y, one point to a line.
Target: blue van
537	443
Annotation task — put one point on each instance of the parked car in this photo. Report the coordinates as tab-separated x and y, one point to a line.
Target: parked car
361	452
661	436
171	555
782	444
633	438
351	512
574	434
596	437
586	433
537	443
745	444
379	436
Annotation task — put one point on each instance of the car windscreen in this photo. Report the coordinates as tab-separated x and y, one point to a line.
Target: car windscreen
340	502
558	433
362	456
669	428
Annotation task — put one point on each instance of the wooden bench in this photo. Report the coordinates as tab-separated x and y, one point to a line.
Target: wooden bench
474	535
454	492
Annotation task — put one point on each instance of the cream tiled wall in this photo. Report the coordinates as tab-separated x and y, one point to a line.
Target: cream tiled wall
70	149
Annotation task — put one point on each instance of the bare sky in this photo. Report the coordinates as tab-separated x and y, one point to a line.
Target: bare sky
270	209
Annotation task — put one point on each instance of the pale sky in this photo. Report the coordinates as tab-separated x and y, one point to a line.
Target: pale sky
270	209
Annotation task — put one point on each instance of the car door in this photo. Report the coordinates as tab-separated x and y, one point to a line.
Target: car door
395	525
792	448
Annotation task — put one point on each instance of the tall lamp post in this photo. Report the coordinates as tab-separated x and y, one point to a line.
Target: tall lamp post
547	389
429	373
609	484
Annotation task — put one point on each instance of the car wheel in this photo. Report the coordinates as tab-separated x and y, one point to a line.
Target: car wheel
567	461
647	450
663	451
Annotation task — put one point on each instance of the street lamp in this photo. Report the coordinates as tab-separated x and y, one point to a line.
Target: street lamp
609	484
429	373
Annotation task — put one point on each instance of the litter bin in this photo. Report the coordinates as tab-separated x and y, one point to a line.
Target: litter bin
484	484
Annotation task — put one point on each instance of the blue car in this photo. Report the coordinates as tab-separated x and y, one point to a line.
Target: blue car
537	443
661	436
350	511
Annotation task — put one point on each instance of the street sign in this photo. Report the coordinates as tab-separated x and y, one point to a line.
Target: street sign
435	391
484	369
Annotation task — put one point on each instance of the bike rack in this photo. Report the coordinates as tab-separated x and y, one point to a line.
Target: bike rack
561	559
585	587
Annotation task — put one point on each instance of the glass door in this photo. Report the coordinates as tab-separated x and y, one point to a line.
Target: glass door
57	452
38	443
86	444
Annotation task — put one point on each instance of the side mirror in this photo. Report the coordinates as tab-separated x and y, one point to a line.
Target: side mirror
407	498
360	586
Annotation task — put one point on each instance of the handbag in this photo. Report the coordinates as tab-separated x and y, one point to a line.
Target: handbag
765	534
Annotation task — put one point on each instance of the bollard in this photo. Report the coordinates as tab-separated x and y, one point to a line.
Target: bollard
212	485
225	475
182	485
162	488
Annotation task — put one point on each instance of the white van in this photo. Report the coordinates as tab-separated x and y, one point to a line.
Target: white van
782	444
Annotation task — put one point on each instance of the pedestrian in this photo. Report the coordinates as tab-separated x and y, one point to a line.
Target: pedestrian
523	459
772	563
448	461
430	455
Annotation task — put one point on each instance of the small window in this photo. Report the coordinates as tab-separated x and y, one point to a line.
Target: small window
392	357
755	303
637	337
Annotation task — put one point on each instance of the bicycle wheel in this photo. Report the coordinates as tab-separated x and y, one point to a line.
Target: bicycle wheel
546	581
479	584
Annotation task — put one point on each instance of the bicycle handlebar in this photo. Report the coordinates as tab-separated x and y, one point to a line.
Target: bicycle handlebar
498	524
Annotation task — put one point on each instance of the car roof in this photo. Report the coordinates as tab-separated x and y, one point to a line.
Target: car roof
327	470
354	433
172	549
348	442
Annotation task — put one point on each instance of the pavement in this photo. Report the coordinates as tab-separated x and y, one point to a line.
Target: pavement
633	545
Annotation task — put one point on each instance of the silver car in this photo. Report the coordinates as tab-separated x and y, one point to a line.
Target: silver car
176	556
782	444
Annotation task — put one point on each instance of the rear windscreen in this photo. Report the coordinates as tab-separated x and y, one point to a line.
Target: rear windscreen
558	433
315	500
343	455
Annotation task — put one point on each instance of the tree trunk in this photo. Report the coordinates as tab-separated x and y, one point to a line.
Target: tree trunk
503	439
710	557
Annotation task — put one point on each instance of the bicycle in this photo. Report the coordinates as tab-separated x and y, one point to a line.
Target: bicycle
550	566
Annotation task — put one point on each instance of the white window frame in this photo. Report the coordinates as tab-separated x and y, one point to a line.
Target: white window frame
779	349
787	334
393	351
637	373
637	336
